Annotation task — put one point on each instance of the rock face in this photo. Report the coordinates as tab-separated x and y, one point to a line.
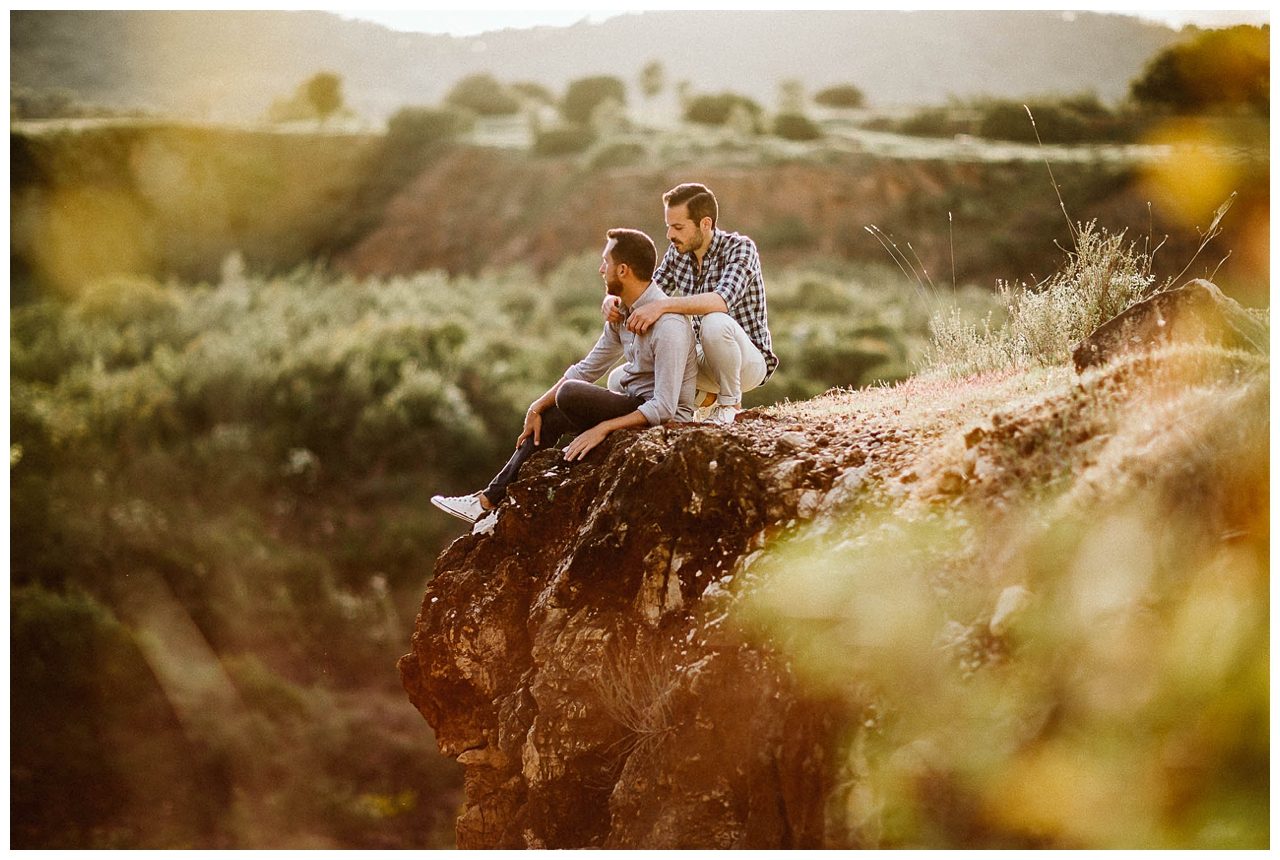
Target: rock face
837	623
1196	311
579	660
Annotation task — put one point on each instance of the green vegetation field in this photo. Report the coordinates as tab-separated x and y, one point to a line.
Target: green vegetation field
256	455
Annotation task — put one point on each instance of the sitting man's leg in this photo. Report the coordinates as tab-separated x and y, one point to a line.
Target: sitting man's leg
728	364
586	405
579	406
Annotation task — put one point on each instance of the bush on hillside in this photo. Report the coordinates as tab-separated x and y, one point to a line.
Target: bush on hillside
483	94
534	92
717	109
1071	119
840	96
567	139
585	94
1075	119
1217	69
414	128
795	126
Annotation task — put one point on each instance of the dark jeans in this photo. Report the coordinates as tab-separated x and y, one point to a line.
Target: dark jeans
579	406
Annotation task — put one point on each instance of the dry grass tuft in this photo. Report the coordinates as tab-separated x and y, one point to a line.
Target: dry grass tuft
1102	277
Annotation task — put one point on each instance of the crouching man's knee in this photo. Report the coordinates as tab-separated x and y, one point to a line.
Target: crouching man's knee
717	327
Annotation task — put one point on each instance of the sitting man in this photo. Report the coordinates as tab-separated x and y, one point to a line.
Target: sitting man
716	277
656	383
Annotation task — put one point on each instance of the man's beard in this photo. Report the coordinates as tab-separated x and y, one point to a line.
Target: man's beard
614	287
693	244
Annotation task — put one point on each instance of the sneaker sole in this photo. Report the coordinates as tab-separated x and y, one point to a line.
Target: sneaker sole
451	512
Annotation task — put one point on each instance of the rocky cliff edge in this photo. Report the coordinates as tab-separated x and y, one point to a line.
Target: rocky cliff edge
796	631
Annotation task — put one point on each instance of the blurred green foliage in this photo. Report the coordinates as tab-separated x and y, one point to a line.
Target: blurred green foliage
584	95
483	94
1079	661
262	449
1080	118
1216	70
719	108
840	96
796	126
565	139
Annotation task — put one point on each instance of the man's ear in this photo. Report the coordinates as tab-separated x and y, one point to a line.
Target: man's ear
623	267
707	224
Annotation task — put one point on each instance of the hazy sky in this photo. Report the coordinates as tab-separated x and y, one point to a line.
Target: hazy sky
480	17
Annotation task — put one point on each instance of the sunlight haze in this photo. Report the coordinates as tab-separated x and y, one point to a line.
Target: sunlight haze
477	20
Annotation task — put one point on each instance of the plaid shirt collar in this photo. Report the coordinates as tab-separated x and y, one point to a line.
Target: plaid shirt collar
713	250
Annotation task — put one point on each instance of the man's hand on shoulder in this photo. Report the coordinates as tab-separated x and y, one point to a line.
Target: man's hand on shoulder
642	318
611	309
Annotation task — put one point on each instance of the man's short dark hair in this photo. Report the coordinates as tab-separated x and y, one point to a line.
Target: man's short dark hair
699	199
636	249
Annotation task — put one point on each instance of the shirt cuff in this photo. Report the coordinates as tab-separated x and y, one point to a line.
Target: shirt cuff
652	413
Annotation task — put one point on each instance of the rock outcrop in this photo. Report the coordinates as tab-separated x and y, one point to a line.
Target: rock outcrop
1196	311
579	661
884	618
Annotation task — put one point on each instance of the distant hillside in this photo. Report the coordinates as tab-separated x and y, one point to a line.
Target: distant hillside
231	65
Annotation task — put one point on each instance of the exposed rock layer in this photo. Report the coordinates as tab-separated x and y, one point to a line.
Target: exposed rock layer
1196	311
578	660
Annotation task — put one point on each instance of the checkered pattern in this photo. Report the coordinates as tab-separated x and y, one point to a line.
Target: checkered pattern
731	267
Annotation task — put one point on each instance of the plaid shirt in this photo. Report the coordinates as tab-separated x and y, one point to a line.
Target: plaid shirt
731	268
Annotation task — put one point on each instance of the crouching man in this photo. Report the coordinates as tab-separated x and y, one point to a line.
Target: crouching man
656	383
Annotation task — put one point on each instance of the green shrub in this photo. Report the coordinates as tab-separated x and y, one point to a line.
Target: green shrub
794	126
934	122
413	129
717	109
563	140
483	94
1215	69
585	94
840	96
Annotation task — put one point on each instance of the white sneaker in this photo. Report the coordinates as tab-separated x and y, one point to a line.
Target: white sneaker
463	507
701	412
722	413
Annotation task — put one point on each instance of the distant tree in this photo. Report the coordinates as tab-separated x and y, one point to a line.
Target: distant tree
795	126
534	92
653	77
840	96
324	94
584	94
412	128
720	108
415	135
483	94
566	139
1216	69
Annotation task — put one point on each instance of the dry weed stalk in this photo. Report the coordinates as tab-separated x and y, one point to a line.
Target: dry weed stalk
634	687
